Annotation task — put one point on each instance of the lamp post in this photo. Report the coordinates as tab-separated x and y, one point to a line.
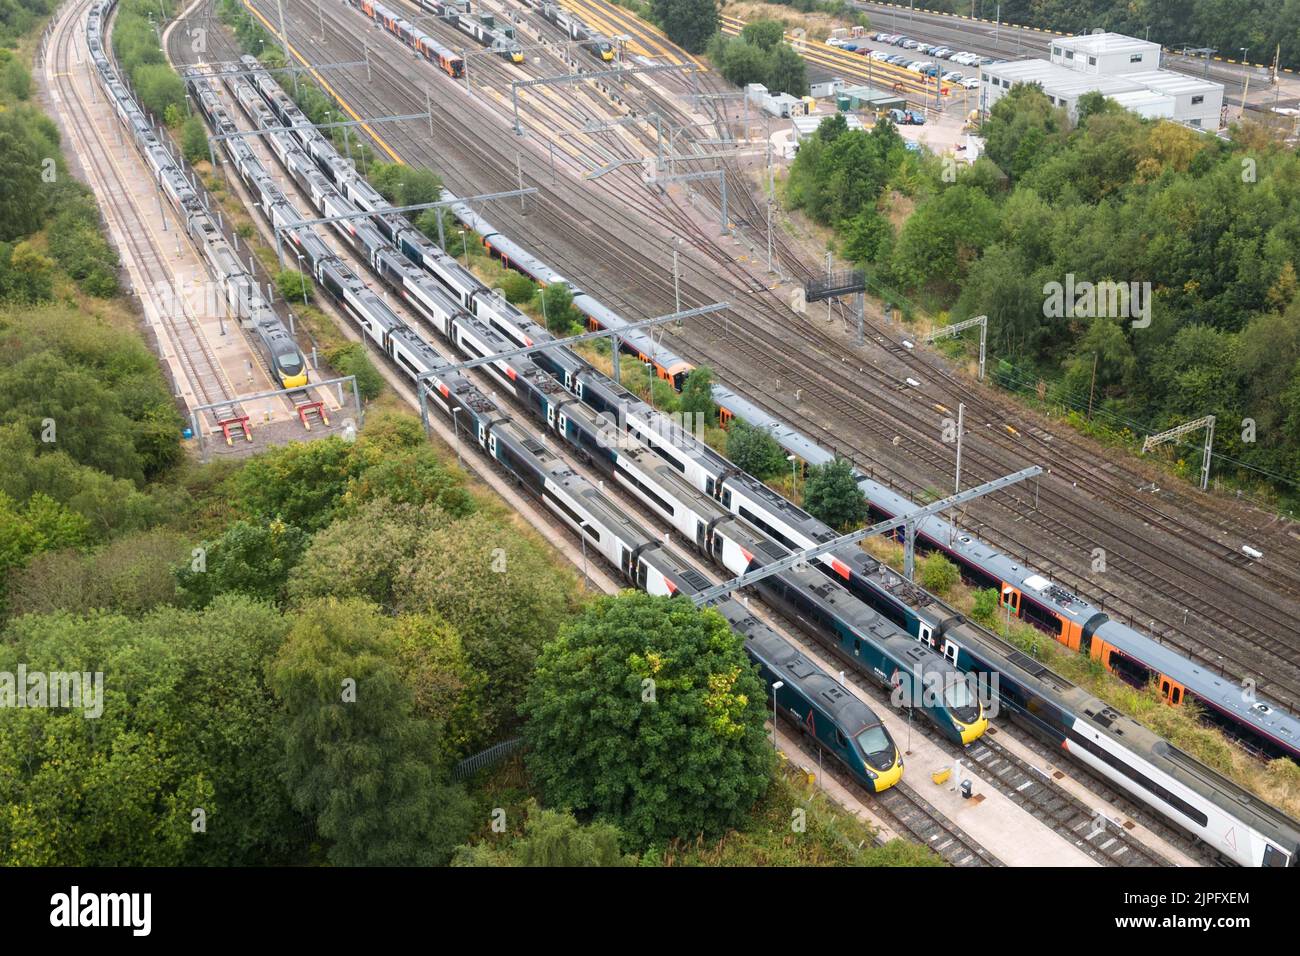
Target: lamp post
464	245
303	277
794	483
650	381
775	687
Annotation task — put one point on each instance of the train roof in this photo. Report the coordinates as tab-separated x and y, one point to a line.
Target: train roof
1222	692
844	707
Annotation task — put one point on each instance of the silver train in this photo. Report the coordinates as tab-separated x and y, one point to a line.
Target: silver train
239	288
847	727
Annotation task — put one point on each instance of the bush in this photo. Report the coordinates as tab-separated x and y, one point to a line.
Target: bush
352	359
194	140
754	450
937	574
518	288
295	286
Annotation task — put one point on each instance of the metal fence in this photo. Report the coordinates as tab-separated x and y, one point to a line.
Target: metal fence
487	758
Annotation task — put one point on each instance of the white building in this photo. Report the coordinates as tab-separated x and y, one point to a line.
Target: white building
1106	54
1197	102
1153	94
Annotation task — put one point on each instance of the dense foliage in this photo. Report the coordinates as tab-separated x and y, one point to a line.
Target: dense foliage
688	23
1201	233
761	55
833	496
754	450
646	713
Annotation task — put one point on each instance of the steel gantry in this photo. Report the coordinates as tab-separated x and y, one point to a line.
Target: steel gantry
909	521
1207	452
580	77
958	327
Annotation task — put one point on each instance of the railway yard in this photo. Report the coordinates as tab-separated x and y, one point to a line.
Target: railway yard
1174	567
601	155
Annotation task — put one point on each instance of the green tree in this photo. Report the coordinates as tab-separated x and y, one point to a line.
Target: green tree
832	494
688	23
937	574
356	757
299	483
194	140
503	594
646	713
353	359
176	733
365	554
697	395
558	309
551	838
754	449
295	286
17	80
251	559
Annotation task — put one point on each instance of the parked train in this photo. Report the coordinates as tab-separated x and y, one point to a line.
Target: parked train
450	62
239	288
573	25
1260	724
1238	825
876	644
482	29
842	723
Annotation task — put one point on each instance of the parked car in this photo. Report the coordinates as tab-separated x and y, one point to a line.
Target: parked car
971	83
879	54
942	52
952	76
906	117
910	44
915	118
898	60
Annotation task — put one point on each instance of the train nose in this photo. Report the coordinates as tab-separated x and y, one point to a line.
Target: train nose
974	731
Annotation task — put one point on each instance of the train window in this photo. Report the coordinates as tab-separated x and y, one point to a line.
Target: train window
1273	856
1128	669
1164	688
1178	692
857	645
840	739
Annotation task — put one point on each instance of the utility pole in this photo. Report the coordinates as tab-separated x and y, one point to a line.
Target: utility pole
961	418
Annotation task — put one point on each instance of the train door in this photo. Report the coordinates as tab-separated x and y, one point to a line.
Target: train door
925	634
700	532
1011	599
1171	690
483	439
563	423
950	651
550	416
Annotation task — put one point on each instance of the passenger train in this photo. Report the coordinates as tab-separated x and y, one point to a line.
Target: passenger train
239	288
482	29
450	62
1260	724
842	723
1242	828
875	643
572	24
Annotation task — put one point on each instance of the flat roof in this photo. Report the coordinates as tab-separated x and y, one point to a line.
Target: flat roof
1146	101
805	126
1061	81
1099	43
1175	84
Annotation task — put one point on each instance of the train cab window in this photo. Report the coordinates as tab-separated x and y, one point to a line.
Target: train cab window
840	740
1273	856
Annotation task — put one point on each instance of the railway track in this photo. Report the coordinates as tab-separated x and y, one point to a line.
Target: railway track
630	278
99	158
